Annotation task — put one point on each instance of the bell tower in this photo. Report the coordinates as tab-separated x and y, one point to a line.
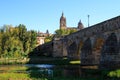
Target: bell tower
62	22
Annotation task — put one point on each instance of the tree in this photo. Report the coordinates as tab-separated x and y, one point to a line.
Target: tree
63	32
48	39
16	41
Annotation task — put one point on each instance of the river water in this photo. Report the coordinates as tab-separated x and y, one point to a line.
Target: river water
57	70
51	71
44	70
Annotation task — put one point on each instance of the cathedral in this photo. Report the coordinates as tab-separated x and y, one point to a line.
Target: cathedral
63	24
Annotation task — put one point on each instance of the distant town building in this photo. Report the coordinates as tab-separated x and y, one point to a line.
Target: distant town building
58	47
40	40
41	37
80	25
63	24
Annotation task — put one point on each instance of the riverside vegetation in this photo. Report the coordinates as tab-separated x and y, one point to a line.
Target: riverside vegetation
16	42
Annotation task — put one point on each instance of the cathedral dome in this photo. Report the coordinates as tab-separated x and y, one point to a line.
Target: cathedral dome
80	25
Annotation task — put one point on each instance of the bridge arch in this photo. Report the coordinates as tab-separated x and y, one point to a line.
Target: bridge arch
72	50
110	50
86	52
111	45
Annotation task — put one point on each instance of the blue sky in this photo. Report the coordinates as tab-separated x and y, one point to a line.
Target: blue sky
41	15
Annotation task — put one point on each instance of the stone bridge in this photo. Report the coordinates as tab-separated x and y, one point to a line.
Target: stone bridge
97	44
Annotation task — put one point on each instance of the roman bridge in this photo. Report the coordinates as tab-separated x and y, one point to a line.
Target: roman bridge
97	44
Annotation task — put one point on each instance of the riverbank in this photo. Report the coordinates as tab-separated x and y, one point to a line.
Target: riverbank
11	61
51	60
38	60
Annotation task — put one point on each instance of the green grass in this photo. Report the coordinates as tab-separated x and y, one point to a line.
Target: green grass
11	61
23	76
75	62
103	74
115	73
13	68
14	76
14	72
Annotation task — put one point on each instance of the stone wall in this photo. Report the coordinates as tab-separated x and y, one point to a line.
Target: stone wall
45	49
57	47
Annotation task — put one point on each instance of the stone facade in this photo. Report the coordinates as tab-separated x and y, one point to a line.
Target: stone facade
40	40
57	47
63	24
41	37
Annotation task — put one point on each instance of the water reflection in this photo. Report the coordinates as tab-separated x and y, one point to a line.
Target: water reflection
40	65
71	71
50	72
45	70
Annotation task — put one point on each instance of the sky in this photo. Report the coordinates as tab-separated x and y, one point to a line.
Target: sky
41	15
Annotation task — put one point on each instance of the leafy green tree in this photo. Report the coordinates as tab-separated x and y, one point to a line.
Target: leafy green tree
48	39
63	32
33	38
16	41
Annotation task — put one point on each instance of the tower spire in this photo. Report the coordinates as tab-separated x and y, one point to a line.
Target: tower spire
62	14
80	21
62	21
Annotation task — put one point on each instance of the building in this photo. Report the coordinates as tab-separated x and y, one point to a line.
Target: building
41	37
58	46
63	24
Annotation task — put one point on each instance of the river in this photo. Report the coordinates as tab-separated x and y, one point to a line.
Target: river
55	71
43	70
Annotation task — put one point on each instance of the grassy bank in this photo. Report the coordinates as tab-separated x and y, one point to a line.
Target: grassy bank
24	76
8	61
18	76
102	74
54	61
14	76
38	60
